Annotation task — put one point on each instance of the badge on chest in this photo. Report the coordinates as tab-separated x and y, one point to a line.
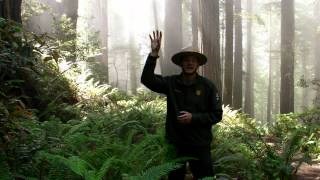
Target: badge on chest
198	92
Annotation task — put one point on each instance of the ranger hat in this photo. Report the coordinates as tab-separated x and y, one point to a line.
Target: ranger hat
177	58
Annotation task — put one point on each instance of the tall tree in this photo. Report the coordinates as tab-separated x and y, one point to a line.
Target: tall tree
249	90
305	52
270	102
195	23
11	9
210	40
287	56
172	36
133	64
317	48
276	89
228	62
237	78
103	27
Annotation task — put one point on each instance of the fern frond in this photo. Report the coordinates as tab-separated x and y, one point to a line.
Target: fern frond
5	173
77	165
74	163
157	172
292	146
106	166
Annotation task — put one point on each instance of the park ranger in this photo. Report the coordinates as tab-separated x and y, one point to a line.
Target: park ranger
193	106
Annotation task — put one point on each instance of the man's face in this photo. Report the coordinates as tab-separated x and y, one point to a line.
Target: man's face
189	64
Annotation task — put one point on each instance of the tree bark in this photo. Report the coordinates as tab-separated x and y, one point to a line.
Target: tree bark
228	63
277	82
304	62
270	87
11	9
249	92
237	78
317	51
172	35
287	57
210	39
104	29
133	65
195	23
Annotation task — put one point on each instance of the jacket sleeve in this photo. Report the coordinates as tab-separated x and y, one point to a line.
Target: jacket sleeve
214	114
153	81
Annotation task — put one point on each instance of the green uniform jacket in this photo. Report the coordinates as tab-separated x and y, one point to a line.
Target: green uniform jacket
199	98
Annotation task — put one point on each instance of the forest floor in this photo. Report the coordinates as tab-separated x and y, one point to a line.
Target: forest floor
309	172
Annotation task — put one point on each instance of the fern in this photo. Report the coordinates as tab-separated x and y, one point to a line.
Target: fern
156	172
292	145
5	173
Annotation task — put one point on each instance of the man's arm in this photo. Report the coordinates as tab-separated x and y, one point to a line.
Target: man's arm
215	111
154	82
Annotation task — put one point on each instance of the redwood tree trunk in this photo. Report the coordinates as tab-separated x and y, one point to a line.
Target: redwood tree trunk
228	62
103	29
11	9
172	35
133	64
210	40
237	78
270	86
195	23
249	92
317	51
287	57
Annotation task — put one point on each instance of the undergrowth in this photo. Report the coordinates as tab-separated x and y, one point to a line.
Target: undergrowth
53	129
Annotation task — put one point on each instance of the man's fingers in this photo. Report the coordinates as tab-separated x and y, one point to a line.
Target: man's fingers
156	35
159	38
150	37
183	116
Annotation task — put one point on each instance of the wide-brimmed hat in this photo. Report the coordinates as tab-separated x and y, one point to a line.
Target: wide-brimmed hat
177	58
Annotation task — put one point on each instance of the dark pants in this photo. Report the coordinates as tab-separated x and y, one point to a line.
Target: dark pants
200	168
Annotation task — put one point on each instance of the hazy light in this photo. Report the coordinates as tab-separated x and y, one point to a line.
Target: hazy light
138	19
137	15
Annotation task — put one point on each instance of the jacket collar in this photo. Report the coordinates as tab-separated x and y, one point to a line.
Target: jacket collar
180	80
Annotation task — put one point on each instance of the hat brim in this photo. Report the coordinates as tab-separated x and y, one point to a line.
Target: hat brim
177	58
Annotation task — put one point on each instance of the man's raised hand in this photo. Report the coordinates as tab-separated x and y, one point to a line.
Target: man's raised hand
155	42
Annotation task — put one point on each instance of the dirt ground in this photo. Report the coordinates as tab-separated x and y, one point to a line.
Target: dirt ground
308	172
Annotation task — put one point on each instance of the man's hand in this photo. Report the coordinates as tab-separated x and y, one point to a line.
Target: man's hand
184	117
155	42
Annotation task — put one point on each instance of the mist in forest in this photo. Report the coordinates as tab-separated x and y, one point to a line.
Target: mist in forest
263	56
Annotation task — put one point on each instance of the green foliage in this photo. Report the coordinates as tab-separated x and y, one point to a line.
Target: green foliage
5	173
111	135
156	172
31	89
25	74
243	148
